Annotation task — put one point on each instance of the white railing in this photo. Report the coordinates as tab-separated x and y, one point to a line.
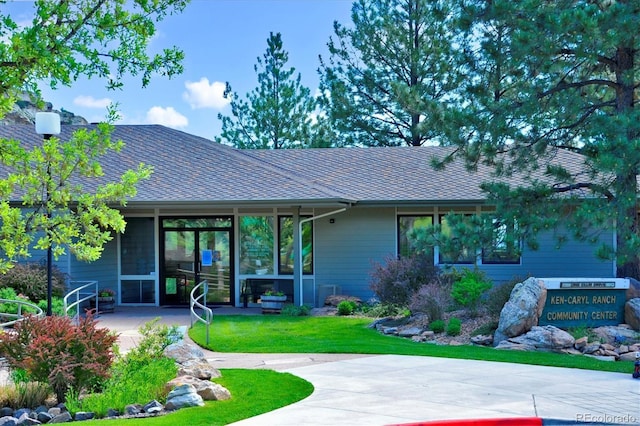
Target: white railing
86	291
19	316
200	301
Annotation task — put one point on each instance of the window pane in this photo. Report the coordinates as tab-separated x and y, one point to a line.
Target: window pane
136	247
457	252
138	291
287	254
256	245
505	244
406	227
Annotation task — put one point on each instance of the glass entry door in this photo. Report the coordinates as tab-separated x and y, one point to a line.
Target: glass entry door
194	255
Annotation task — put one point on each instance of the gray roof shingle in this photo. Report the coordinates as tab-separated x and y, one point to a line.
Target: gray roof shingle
192	169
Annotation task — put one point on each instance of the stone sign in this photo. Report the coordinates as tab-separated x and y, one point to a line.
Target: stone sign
584	302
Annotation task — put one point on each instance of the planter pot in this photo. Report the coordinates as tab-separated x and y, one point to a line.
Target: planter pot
105	304
272	304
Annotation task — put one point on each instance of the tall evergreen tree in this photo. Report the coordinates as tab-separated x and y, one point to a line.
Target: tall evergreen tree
387	73
276	114
547	78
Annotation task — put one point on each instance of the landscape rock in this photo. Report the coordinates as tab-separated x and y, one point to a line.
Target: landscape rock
483	340
181	352
133	409
63	417
513	346
632	313
200	368
410	331
153	407
209	391
8	421
183	396
547	337
616	335
581	343
84	415
522	310
633	291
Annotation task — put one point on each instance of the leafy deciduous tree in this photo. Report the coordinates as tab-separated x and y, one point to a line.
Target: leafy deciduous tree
107	39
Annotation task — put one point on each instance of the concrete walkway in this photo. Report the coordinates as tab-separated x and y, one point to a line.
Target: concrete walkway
394	389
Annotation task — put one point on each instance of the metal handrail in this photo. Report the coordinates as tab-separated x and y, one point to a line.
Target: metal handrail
81	294
194	301
19	316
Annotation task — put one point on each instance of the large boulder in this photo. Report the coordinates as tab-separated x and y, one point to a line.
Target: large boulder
191	361
208	390
522	310
182	396
632	313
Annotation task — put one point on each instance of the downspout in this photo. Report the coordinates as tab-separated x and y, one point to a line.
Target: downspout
300	272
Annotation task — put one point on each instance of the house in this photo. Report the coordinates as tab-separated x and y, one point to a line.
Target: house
238	218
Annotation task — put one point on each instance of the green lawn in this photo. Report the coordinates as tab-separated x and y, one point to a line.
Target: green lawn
253	392
284	334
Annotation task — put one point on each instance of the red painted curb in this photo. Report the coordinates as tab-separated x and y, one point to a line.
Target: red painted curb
518	421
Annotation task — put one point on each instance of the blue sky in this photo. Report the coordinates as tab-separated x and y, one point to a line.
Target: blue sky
221	40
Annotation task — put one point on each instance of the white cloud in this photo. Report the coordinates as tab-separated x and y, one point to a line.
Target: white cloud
91	102
166	116
202	94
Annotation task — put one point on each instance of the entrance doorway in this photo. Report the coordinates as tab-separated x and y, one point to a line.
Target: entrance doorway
195	250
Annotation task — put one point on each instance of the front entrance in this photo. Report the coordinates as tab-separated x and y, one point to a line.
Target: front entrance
196	249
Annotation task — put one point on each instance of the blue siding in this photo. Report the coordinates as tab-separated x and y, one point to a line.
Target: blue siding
572	259
346	249
104	270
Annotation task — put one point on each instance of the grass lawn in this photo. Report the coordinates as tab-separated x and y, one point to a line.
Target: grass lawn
285	334
253	392
259	391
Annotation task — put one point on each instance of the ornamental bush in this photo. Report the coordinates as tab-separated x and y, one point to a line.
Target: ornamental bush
30	280
54	350
346	307
469	288
454	327
399	279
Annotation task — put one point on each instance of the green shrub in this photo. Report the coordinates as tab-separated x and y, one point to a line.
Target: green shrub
9	293
437	326
155	338
399	278
468	290
498	296
289	309
30	279
137	377
56	351
346	307
57	306
132	382
381	310
454	327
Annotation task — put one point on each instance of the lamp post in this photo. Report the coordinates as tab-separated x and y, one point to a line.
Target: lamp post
47	125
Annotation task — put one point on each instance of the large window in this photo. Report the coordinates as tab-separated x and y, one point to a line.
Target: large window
455	250
408	230
285	246
505	245
258	245
137	251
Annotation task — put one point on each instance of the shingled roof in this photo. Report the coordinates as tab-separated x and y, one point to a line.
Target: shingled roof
192	169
